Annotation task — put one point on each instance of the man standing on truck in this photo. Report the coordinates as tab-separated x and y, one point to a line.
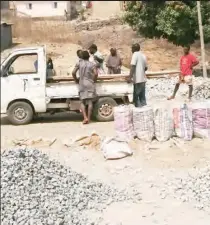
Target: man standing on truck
87	88
97	58
114	62
187	62
137	76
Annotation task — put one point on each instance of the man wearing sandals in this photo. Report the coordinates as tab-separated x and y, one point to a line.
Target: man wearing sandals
187	62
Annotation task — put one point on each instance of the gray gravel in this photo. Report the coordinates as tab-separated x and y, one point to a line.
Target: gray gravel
164	87
36	190
192	187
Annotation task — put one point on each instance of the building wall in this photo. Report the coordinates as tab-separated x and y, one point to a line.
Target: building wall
4	4
6	36
41	8
105	9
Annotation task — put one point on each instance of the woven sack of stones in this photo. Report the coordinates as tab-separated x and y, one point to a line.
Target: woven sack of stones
182	118
143	122
123	122
163	124
201	119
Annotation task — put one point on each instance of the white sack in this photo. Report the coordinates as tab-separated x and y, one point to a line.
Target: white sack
164	127
113	148
143	123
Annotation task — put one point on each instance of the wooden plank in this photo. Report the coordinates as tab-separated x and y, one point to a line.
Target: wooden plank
118	77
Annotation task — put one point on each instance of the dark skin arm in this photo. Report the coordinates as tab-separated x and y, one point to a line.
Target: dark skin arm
195	64
120	62
132	70
74	74
98	59
95	74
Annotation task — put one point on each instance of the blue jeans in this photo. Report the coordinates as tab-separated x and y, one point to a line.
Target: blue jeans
139	97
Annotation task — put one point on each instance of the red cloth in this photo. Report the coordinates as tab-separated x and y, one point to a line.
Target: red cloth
186	63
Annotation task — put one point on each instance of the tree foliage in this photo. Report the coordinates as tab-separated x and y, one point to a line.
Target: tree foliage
176	21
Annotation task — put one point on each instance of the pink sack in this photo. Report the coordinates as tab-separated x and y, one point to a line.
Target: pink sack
123	122
183	125
201	120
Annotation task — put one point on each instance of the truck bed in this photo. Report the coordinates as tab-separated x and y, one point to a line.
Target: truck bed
105	88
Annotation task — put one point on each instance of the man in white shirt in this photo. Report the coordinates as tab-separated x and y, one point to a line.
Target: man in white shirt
138	76
97	57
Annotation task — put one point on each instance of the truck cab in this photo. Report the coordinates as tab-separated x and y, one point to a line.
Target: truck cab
25	90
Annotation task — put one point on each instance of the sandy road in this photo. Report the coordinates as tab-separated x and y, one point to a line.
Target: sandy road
142	171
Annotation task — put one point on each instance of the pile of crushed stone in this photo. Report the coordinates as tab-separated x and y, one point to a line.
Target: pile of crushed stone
37	190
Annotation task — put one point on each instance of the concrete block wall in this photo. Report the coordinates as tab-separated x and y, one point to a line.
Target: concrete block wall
6	36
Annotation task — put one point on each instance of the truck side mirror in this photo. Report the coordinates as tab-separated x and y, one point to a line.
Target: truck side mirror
10	70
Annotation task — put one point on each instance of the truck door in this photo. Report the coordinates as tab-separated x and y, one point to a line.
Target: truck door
24	77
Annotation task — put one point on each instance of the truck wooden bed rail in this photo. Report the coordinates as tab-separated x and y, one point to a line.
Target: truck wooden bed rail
117	77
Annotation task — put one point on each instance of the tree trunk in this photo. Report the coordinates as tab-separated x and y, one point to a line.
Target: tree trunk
201	39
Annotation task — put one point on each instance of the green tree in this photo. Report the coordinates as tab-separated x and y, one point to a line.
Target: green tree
175	21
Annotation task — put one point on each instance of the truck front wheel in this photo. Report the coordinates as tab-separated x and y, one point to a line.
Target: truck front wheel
103	109
20	113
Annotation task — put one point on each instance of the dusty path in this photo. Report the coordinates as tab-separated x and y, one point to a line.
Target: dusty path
145	171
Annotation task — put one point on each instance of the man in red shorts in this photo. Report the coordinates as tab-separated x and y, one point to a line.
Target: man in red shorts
187	62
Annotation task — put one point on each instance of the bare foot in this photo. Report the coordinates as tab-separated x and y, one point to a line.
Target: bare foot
85	121
189	100
170	98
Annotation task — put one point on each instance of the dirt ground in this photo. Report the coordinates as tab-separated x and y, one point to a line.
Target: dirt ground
145	170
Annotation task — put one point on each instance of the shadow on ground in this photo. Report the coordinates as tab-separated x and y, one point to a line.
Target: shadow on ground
47	118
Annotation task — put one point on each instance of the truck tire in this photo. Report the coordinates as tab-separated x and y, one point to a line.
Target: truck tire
20	113
103	109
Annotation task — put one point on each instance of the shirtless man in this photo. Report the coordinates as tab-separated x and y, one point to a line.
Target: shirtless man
187	62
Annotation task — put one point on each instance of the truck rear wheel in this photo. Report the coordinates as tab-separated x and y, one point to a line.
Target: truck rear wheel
20	113
103	109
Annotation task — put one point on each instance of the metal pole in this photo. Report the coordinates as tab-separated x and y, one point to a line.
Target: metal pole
201	39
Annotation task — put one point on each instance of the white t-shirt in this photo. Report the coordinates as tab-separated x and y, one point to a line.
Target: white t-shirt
99	55
139	60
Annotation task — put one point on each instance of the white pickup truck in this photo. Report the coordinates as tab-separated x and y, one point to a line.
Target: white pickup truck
28	92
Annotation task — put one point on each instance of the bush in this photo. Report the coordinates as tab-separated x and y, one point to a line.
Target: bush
176	21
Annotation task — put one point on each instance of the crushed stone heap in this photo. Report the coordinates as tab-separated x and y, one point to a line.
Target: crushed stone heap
37	190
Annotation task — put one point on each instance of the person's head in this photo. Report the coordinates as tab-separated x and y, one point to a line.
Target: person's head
86	55
49	59
93	49
79	53
113	51
186	50
135	47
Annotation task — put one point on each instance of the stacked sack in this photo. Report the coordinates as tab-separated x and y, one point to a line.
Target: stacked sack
201	120
123	122
143	123
183	124
164	127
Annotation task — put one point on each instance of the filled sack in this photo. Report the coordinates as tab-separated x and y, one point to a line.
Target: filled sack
123	122
114	148
164	127
182	118
143	123
201	120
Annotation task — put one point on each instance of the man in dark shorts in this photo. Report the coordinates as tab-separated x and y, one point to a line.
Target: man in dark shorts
87	88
